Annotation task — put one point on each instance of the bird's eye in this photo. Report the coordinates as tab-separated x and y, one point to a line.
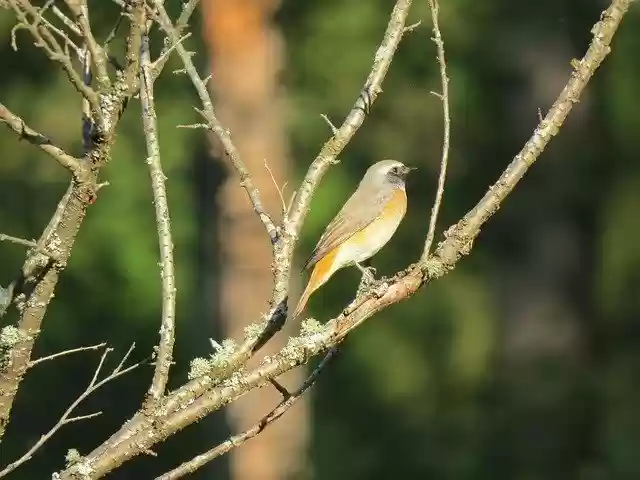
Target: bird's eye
394	170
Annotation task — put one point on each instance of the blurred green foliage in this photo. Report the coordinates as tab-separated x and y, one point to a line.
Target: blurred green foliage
523	363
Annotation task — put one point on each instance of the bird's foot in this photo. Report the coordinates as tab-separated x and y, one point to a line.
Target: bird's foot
367	280
367	273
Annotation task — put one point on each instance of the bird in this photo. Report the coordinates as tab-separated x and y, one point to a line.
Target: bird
364	225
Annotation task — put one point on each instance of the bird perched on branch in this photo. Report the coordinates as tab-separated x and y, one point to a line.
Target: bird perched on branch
366	222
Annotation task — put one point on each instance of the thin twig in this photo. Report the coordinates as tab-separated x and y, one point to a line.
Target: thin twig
187	10
444	97
35	362
246	180
20	241
98	55
278	189
66	416
45	40
53	28
236	440
334	129
66	20
16	124
160	61
167	328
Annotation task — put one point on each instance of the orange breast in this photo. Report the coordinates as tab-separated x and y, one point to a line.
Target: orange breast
368	241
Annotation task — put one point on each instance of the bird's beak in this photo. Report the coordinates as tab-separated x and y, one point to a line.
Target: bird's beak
406	170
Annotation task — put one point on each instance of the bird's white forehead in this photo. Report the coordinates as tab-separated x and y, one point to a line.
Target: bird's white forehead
385	165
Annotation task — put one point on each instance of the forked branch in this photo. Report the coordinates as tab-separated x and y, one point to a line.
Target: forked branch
234	441
66	417
216	389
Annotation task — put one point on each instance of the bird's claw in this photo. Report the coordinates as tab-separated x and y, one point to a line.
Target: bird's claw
367	280
367	273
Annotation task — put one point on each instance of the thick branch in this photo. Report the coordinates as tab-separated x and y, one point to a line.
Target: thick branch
236	440
167	328
188	404
105	455
16	124
34	288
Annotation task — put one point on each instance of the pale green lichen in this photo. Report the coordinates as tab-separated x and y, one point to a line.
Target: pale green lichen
72	457
218	361
254	330
294	352
11	336
199	367
77	464
311	326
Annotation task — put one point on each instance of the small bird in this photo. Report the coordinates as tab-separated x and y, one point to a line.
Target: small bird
366	222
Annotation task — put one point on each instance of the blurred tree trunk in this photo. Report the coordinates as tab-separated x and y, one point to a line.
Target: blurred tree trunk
246	56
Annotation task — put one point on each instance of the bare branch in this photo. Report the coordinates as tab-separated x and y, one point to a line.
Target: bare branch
167	329
237	440
437	38
214	124
45	40
200	396
66	20
161	60
98	55
16	124
20	241
187	10
33	290
292	222
66	416
340	139
33	363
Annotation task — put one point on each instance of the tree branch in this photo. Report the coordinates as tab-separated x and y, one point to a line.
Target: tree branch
66	416
45	40
197	398
167	329
16	124
108	455
334	146
236	440
294	218
246	180
32	291
444	97
53	356
81	12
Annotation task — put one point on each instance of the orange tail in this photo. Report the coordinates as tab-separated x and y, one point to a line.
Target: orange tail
322	271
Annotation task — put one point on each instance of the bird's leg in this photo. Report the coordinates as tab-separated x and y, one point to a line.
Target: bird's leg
367	278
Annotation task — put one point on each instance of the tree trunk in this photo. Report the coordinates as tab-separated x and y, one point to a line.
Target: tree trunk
246	57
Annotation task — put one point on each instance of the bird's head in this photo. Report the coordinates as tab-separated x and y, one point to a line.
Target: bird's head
389	170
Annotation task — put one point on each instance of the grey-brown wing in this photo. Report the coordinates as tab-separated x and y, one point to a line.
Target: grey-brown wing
359	211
